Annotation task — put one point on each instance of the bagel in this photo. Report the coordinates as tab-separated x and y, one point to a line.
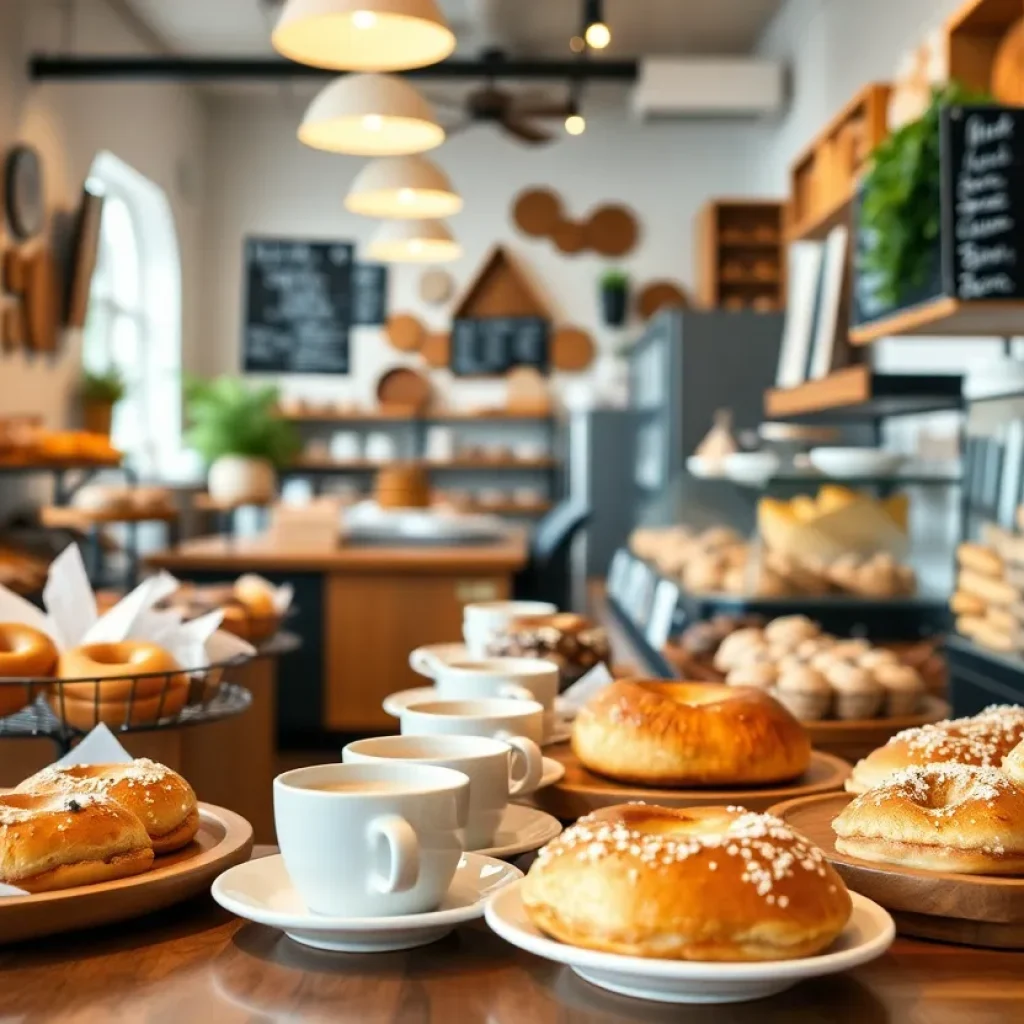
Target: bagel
257	595
25	653
84	714
678	734
52	841
161	799
99	669
982	740
938	817
708	883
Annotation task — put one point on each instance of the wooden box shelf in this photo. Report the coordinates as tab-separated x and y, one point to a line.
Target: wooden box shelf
974	36
742	255
824	177
946	316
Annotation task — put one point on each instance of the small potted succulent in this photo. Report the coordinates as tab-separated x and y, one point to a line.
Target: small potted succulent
614	297
241	437
100	392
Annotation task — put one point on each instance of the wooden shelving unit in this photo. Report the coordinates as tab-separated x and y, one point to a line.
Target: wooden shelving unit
973	38
824	177
372	417
742	255
455	465
947	316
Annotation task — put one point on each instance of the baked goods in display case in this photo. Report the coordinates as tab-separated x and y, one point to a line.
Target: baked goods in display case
253	608
989	598
21	571
24	441
687	734
715	883
573	642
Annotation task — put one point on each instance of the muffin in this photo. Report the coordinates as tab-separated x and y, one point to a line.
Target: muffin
857	694
876	658
903	689
850	650
815	645
761	675
805	693
736	647
791	629
705	574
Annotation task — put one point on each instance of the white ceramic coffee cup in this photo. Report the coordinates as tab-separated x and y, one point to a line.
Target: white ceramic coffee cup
483	620
488	763
391	848
519	723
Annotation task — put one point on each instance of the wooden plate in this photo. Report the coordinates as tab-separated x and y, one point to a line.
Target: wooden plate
971	910
659	295
612	230
436	286
405	387
537	212
223	840
436	350
569	237
856	739
581	791
572	350
405	332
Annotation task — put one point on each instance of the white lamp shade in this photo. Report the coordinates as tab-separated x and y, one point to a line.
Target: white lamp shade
370	115
363	35
404	187
413	241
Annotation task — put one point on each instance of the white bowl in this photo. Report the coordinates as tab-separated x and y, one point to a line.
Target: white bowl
754	468
704	468
847	462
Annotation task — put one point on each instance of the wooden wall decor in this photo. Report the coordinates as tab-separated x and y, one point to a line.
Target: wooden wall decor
403	389
569	237
436	350
405	332
572	350
500	288
612	231
436	286
658	295
1008	66
537	212
83	260
609	230
981	39
42	302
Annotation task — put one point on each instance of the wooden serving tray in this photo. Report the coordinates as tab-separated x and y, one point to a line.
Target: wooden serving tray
581	791
969	910
223	840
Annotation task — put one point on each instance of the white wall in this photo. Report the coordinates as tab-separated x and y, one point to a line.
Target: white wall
261	180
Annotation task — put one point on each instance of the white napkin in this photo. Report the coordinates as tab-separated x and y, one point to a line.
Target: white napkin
583	689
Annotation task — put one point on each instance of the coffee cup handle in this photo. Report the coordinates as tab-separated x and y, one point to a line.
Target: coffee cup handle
403	853
425	663
532	758
513	691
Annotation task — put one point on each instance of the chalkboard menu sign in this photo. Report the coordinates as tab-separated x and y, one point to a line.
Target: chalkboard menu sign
369	294
298	306
490	346
983	166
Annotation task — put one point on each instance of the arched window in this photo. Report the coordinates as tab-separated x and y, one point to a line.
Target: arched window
134	318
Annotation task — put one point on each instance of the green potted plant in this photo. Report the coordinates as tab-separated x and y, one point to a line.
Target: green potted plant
237	431
100	392
614	297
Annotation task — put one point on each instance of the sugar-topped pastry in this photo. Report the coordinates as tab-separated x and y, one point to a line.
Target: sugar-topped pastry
712	883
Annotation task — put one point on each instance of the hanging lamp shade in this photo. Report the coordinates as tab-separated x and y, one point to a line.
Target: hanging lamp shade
403	187
370	115
413	241
363	35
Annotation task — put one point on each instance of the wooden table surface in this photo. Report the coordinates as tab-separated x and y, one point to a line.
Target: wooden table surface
198	963
237	555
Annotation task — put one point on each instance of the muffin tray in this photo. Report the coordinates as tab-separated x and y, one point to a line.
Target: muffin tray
968	910
581	791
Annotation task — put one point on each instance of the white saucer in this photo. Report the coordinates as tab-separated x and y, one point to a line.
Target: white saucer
554	771
561	733
868	935
419	659
261	891
522	830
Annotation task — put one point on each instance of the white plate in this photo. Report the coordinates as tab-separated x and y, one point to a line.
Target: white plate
867	935
261	891
522	830
368	521
754	468
846	462
419	659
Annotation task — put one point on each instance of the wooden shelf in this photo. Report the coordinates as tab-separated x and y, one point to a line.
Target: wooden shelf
947	317
36	465
329	416
973	37
498	416
816	227
204	503
544	462
858	393
508	508
65	517
367	466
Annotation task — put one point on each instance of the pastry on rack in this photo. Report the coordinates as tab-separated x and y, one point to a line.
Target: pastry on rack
689	734
571	641
713	883
982	740
938	817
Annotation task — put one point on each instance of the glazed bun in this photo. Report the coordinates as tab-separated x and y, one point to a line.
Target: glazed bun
939	817
25	653
161	799
257	595
50	841
104	671
689	734
983	740
710	883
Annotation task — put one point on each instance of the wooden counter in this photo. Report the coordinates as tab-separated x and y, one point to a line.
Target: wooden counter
362	609
198	963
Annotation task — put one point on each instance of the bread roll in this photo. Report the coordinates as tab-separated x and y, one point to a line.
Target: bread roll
981	559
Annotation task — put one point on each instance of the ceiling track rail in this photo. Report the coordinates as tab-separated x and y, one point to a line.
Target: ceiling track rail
220	69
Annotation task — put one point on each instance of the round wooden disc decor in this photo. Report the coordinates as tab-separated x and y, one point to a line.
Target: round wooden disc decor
537	212
569	237
436	287
436	349
403	387
970	910
572	350
405	332
582	791
659	295
612	231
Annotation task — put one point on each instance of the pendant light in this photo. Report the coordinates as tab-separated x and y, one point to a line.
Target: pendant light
413	241
370	115
363	35
403	187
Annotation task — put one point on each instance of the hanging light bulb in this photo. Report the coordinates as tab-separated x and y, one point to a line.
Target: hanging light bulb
596	32
370	115
413	241
363	35
407	187
575	124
